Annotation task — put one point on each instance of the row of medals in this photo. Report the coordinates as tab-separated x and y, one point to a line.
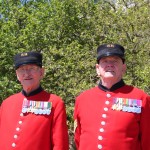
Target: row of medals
127	105
36	107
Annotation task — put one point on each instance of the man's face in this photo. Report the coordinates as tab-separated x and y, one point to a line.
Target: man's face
30	76
111	67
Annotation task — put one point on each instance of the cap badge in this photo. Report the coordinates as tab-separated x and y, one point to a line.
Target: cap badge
24	54
110	45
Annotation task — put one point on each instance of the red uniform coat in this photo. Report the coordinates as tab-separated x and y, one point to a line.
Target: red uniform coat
99	125
29	131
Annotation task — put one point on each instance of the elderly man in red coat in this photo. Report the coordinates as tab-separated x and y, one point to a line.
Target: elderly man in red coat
32	119
112	115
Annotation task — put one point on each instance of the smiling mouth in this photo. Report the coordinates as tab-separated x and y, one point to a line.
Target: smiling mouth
109	71
29	79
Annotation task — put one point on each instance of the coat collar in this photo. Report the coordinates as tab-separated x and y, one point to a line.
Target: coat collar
113	88
38	90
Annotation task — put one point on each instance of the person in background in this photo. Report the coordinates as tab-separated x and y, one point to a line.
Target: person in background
112	115
32	119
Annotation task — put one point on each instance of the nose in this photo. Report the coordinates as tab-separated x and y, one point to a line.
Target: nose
27	71
110	63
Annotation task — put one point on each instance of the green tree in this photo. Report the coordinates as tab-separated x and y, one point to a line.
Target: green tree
67	33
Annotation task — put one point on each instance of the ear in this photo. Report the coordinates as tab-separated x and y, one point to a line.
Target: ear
42	72
124	69
17	76
97	69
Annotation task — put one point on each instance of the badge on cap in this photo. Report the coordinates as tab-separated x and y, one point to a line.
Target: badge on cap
110	45
24	54
36	107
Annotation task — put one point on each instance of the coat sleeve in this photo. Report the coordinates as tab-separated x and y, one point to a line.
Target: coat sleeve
0	113
60	138
77	126
145	125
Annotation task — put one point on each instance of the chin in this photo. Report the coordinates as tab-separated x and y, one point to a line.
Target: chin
28	85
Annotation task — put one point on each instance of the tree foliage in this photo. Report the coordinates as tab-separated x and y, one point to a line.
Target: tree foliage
67	33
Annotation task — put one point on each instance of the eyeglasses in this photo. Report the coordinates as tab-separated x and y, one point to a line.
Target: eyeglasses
32	69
